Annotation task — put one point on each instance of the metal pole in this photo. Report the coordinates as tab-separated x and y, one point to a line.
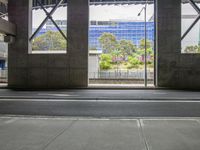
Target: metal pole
145	41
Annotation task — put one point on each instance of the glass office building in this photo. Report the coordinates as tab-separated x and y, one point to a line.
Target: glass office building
128	30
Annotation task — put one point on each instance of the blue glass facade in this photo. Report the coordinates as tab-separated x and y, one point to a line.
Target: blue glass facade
128	30
133	31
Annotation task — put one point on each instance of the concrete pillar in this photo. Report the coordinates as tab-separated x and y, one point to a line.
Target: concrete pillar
168	25
19	12
36	71
78	24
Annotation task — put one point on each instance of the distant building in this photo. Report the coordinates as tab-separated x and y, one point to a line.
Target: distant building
128	30
122	29
93	68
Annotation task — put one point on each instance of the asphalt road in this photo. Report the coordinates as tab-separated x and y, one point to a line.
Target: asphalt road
87	94
101	108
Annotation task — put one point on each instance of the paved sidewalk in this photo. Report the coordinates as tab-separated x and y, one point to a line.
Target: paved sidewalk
18	133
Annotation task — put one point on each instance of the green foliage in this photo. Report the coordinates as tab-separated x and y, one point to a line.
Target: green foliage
49	41
133	62
116	53
150	55
192	49
142	44
126	47
142	51
105	61
108	42
124	53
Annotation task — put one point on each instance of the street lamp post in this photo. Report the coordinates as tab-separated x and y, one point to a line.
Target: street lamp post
145	42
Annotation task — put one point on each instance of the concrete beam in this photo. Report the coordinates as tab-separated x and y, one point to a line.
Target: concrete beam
7	27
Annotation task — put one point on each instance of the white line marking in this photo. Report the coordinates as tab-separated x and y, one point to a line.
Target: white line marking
141	122
96	119
100	101
11	120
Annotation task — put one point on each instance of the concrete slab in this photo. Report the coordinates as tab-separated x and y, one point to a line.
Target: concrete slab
100	135
172	134
29	134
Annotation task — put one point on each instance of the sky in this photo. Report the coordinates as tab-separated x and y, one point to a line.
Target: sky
100	13
192	37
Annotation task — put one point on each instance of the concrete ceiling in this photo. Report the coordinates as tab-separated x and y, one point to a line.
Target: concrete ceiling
49	3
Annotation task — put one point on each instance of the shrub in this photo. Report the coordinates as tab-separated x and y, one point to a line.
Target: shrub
105	61
133	62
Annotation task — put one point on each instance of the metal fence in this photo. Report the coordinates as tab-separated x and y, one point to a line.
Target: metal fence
121	74
110	74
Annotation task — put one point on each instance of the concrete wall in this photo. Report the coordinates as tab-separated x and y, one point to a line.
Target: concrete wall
93	69
26	70
174	70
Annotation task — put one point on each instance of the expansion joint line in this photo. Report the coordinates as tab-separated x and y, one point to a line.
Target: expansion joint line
59	134
143	135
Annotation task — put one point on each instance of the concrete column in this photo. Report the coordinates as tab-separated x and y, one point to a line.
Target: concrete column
168	42
78	24
19	12
36	71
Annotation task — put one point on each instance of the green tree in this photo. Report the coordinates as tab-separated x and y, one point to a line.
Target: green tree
105	61
192	49
150	55
49	41
108	42
141	52
116	52
133	62
142	44
126	47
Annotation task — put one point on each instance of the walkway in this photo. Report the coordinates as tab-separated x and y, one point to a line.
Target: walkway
99	134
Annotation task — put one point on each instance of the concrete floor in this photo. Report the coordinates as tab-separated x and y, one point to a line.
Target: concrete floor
17	133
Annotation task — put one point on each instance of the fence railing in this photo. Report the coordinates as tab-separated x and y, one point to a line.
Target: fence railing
121	74
110	74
